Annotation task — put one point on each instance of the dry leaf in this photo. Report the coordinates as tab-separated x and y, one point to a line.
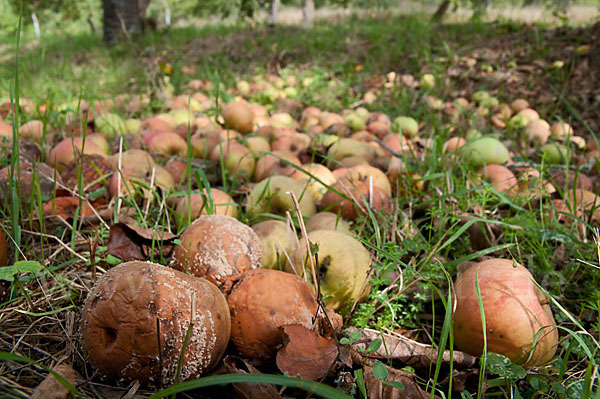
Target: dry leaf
130	242
50	388
410	352
376	389
247	390
463	380
306	354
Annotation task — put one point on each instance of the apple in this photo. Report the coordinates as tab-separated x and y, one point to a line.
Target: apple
204	142
343	267
156	124
238	116
355	121
538	131
502	178
132	125
529	114
328	221
480	96
34	130
237	159
515	312
484	150
309	174
327	119
182	116
277	242
110	124
135	159
355	198
217	202
276	163
271	196
452	144
167	143
258	145
169	119
347	147
554	153
294	143
366	173
64	152
518	105
406	125
5	129
282	120
560	129
427	81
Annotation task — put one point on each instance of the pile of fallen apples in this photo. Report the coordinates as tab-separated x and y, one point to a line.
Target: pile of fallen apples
296	166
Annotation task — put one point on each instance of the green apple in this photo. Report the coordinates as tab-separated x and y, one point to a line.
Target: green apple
343	267
271	196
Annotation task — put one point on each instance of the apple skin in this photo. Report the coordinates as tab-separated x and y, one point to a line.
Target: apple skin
271	196
64	152
222	204
316	188
276	242
328	221
238	116
276	163
344	264
237	159
515	309
502	178
168	143
34	129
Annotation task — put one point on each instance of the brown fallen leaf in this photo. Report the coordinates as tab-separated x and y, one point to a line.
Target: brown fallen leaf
130	242
66	207
463	379
51	388
247	390
306	354
410	352
377	390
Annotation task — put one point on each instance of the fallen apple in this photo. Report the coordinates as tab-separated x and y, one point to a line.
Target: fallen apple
515	311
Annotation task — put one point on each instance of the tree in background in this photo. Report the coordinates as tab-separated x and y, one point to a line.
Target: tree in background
480	6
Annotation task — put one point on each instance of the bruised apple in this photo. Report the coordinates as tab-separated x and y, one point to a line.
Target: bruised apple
515	312
261	303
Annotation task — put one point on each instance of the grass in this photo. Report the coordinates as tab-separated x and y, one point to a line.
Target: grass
449	219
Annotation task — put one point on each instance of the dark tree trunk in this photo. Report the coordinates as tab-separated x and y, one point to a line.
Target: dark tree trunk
441	11
120	19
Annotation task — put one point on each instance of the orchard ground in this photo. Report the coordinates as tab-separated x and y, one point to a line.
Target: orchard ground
555	67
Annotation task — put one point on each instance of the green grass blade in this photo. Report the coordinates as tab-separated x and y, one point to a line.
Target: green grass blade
292	382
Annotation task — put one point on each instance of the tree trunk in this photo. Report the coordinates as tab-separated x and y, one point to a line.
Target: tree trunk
120	19
308	12
441	11
273	12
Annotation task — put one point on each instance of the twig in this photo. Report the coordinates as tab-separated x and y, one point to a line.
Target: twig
35	233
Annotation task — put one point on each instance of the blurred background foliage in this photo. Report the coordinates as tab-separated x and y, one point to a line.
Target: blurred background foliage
73	16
